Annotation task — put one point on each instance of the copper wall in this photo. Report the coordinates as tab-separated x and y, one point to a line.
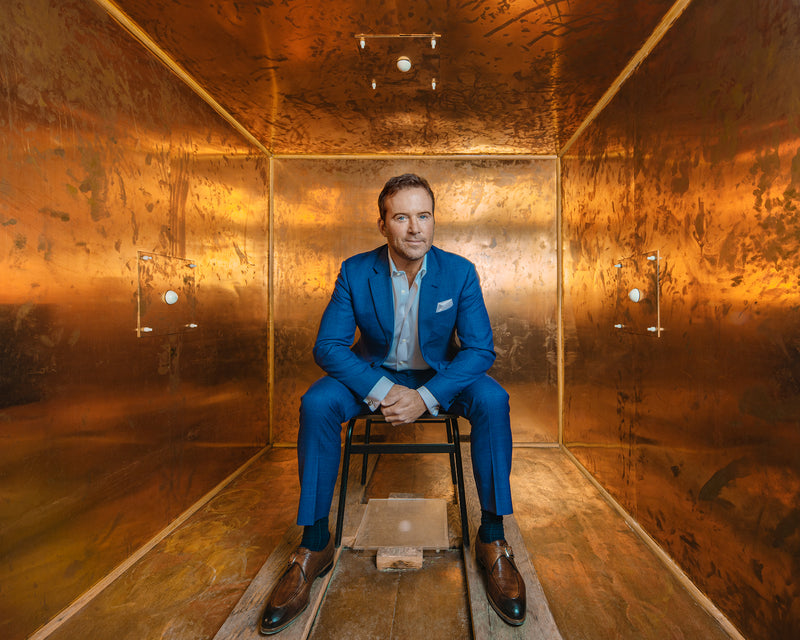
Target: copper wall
697	432
499	213
106	437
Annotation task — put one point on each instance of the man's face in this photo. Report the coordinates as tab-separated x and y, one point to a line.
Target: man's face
408	227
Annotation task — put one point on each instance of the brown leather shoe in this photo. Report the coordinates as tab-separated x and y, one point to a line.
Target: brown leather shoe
289	598
504	584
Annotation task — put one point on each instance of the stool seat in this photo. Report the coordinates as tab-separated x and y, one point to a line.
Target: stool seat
451	447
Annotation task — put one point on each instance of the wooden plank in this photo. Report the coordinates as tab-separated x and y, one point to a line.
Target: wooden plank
486	624
244	621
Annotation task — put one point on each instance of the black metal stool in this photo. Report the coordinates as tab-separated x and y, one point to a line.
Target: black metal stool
452	447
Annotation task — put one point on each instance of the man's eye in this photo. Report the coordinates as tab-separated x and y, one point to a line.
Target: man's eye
424	216
400	218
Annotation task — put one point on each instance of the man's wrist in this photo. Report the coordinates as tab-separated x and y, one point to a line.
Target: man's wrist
431	403
378	393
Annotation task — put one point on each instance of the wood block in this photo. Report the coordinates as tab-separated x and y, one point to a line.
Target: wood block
394	558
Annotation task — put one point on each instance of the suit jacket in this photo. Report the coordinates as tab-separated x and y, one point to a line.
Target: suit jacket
450	306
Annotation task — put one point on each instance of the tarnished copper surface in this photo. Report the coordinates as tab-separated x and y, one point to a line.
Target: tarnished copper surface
516	76
697	432
107	437
500	214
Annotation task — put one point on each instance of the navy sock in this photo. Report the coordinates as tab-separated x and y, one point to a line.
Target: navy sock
491	528
316	536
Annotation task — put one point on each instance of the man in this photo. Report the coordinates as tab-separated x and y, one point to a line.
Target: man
425	344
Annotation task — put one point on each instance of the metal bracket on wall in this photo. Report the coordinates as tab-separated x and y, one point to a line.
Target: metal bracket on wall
638	298
166	295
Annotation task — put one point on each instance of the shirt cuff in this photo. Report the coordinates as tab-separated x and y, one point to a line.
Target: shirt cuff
378	393
430	402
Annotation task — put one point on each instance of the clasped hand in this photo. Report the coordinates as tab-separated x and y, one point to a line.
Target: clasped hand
402	405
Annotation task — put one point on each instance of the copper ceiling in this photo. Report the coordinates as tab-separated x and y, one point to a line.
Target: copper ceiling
516	76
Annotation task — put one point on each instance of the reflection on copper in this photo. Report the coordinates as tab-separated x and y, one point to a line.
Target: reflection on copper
692	432
106	437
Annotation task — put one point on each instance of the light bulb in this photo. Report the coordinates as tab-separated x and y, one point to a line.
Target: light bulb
404	64
433	84
433	43
374	84
362	42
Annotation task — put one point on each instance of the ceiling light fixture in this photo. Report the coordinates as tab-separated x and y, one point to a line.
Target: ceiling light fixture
363	37
417	66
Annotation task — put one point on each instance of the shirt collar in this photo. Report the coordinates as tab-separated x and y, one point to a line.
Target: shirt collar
394	272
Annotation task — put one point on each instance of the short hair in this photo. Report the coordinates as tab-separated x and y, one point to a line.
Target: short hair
398	183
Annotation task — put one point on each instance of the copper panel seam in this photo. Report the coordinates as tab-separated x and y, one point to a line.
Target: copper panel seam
404	156
660	31
137	32
560	300
271	302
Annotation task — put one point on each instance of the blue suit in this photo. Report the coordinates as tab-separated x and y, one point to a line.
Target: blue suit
455	338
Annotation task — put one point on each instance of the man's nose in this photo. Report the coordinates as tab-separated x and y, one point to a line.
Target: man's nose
413	225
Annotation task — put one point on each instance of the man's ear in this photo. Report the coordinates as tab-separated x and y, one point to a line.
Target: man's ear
382	226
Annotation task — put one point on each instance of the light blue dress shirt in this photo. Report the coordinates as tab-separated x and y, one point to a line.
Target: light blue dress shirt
404	352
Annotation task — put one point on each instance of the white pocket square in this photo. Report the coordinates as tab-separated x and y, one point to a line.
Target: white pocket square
444	305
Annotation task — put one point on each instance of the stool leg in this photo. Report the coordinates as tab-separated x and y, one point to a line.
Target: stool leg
365	459
452	455
343	482
462	501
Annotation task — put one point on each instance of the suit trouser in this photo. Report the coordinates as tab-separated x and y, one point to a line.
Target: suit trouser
328	403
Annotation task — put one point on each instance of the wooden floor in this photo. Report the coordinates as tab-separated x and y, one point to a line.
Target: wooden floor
600	580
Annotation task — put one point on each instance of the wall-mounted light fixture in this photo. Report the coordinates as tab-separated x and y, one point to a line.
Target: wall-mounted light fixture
166	294
638	307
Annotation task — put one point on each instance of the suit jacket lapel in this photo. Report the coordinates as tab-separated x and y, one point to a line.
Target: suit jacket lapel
380	285
429	291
